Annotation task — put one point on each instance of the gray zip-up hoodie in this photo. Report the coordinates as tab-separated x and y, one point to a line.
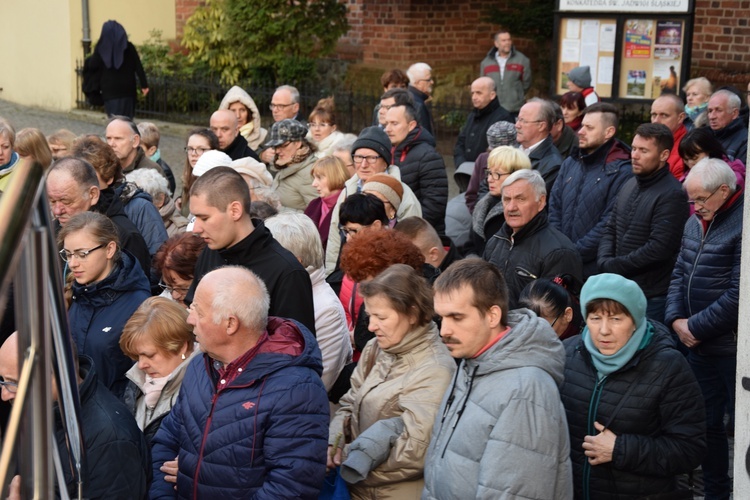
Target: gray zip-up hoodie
501	430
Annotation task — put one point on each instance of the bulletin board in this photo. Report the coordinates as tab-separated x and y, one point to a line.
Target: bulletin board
652	58
635	49
588	42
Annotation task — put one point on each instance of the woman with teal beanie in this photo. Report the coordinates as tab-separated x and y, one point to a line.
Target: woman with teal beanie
634	409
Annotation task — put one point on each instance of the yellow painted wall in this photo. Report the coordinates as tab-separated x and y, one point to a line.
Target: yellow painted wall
42	41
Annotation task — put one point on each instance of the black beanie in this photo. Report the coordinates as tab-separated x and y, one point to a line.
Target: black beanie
374	138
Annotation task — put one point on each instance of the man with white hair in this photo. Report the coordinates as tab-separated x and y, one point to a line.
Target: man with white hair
527	247
728	128
703	303
251	420
420	88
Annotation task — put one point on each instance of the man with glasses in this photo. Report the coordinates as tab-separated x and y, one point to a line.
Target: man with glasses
371	153
284	106
588	182
224	124
641	238
117	458
422	167
533	126
511	71
391	98
703	302
420	88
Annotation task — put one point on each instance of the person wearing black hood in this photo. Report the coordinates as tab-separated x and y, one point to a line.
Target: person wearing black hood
422	167
118	63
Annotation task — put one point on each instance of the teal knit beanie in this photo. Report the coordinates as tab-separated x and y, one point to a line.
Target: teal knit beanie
615	287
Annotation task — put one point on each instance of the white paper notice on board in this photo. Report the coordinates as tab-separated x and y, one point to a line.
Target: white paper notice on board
571	51
607	37
606	67
573	29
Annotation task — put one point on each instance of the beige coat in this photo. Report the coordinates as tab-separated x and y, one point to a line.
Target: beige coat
294	186
406	381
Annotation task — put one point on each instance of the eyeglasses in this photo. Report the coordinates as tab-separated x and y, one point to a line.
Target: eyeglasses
495	175
78	254
11	387
276	107
371	160
351	231
196	151
170	289
703	201
319	125
522	121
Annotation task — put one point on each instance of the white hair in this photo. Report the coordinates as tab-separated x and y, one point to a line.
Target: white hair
712	173
150	181
345	143
241	293
265	193
733	101
292	91
417	71
297	233
533	177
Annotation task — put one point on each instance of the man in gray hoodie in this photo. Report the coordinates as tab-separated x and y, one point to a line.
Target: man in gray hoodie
499	432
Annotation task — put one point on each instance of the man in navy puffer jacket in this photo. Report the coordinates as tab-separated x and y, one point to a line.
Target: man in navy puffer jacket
251	420
590	178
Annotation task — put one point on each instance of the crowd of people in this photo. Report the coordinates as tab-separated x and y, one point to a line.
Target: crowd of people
307	305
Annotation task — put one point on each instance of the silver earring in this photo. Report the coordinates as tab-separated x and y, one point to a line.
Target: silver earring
183	356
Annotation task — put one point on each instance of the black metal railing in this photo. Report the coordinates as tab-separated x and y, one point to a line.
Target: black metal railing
192	101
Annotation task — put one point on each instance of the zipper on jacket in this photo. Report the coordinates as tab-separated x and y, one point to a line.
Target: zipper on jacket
590	430
704	235
203	444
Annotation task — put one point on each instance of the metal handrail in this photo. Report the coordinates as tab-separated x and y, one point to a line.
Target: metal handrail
41	313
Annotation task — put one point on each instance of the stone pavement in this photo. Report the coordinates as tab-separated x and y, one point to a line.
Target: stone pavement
172	142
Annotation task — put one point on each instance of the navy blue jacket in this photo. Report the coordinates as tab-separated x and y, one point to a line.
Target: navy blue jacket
140	209
584	193
705	285
262	436
117	463
98	314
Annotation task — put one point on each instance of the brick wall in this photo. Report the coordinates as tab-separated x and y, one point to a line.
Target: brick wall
183	10
445	33
396	33
721	38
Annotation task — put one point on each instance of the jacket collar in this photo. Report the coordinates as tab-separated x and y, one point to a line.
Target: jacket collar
537	223
730	129
259	237
646	181
493	106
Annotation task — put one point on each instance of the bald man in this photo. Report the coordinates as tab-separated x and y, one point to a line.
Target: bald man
439	252
669	110
224	124
117	456
472	141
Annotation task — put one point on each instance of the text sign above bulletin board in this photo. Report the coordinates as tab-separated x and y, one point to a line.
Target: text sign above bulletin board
635	49
635	6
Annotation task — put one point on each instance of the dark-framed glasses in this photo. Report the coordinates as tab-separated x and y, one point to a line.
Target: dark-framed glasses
196	151
703	201
11	387
78	254
496	175
170	289
371	160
